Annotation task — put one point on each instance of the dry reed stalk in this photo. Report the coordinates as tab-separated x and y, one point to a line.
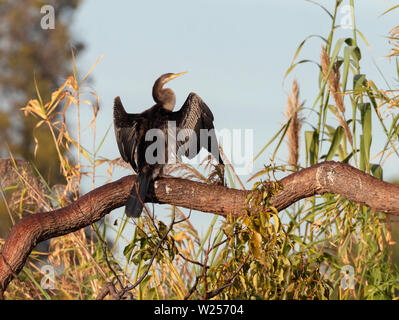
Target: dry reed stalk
294	128
333	84
394	41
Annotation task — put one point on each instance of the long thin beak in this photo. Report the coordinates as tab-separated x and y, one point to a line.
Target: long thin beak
175	76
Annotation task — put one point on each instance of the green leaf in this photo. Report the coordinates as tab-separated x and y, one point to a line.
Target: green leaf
297	239
128	250
150	294
359	82
365	110
376	171
312	146
339	133
362	154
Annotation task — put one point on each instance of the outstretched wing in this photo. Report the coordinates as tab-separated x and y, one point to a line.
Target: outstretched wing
127	131
195	129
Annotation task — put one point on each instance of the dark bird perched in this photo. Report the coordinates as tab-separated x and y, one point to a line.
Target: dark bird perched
131	130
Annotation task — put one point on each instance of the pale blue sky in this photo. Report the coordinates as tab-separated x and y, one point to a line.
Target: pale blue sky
236	53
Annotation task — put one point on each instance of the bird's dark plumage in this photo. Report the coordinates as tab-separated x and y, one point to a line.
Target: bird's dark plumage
131	129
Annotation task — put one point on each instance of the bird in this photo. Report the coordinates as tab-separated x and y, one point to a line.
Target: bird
194	130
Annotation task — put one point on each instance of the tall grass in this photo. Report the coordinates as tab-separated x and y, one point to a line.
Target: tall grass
321	248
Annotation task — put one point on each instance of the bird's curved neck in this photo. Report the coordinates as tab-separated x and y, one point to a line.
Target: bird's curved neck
164	97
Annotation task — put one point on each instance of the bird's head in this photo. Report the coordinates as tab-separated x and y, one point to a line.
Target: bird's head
165	96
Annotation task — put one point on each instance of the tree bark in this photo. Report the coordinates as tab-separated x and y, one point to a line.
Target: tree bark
328	177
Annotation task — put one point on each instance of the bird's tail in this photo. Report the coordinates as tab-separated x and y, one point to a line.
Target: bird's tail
135	201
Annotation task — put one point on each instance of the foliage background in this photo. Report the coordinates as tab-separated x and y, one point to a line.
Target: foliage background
265	257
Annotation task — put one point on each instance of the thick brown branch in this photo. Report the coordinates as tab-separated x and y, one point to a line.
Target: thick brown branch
328	177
